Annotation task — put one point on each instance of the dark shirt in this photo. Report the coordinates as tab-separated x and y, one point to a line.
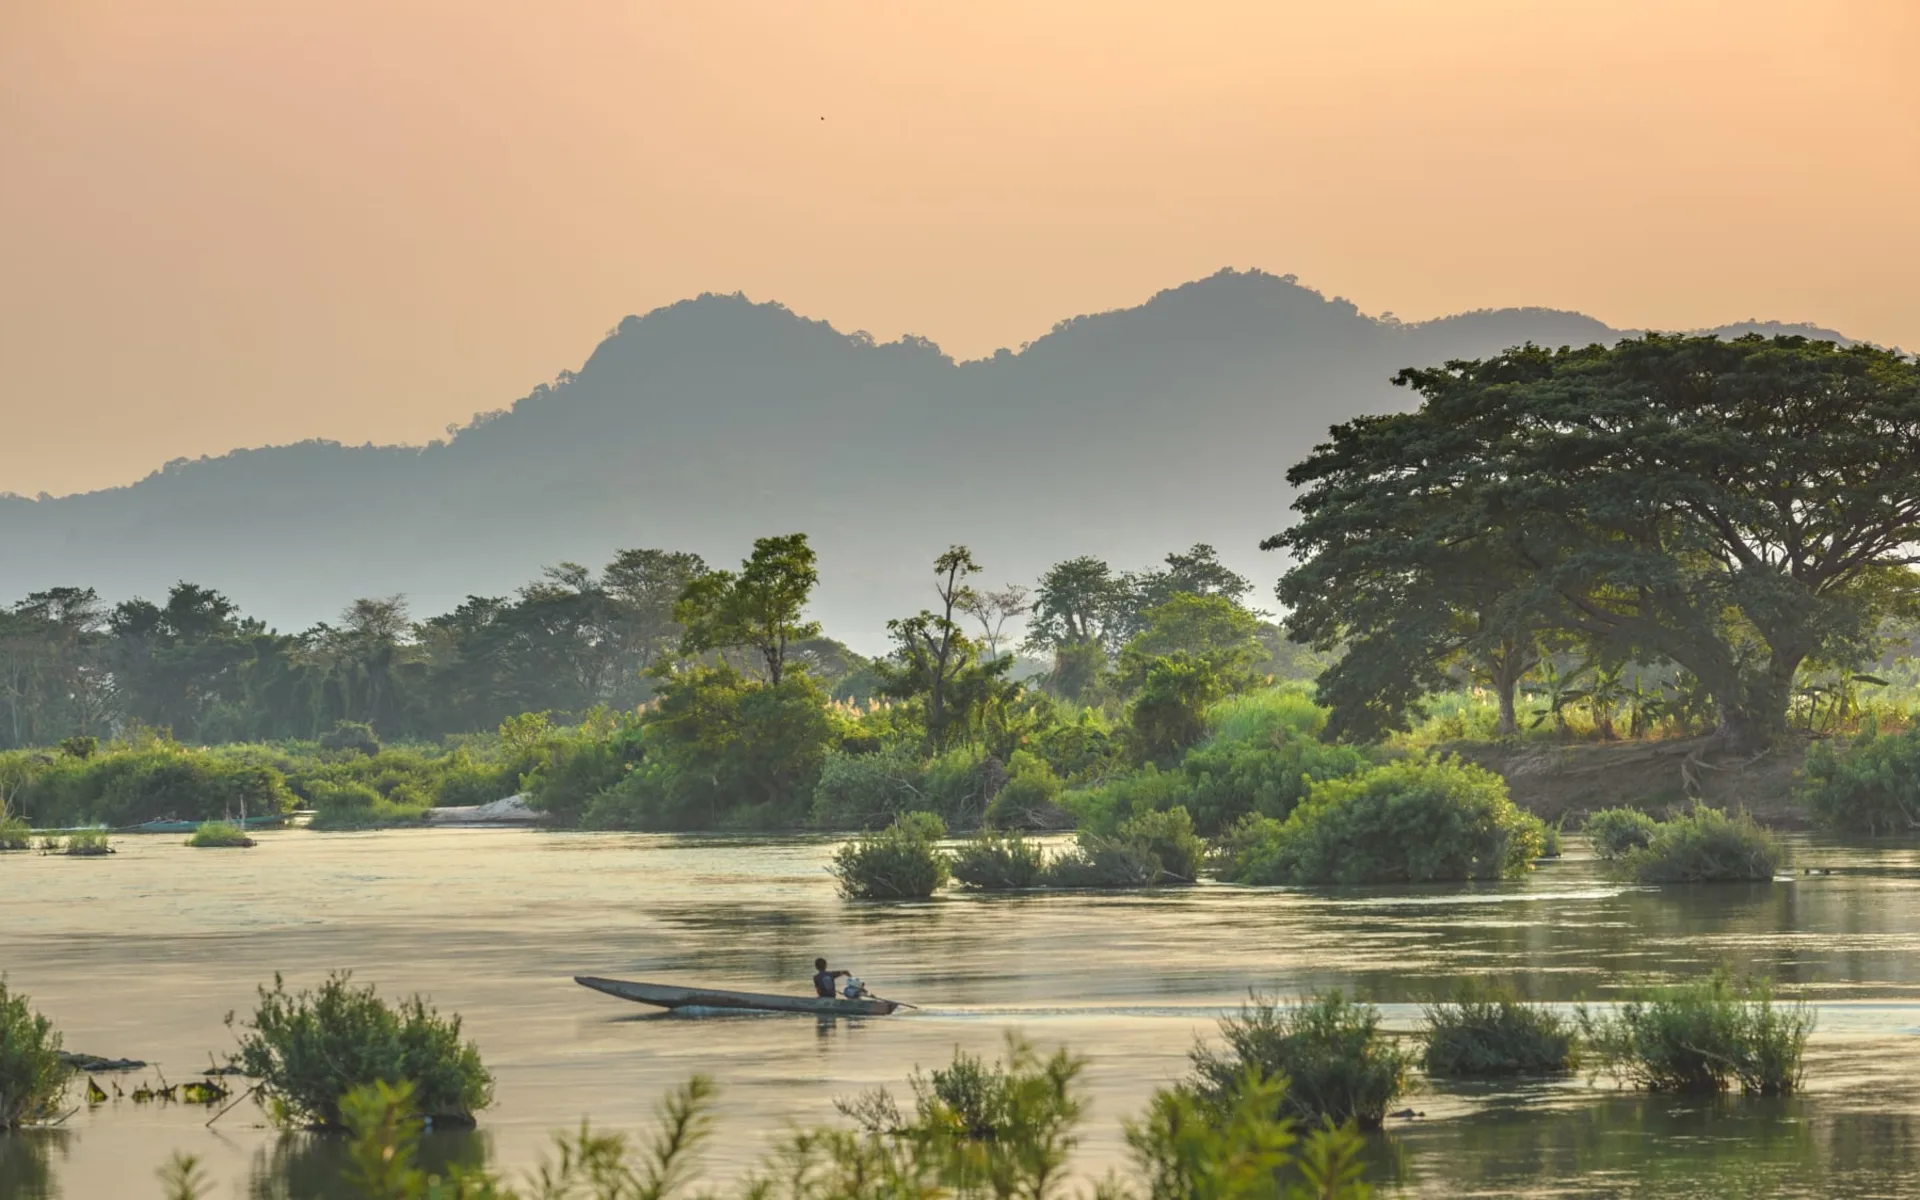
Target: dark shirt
823	984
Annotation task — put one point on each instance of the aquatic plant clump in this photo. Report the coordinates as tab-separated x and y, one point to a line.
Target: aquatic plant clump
1703	1037
1339	1064
1486	1031
901	862
1707	846
1617	831
350	805
309	1049
220	835
32	1074
995	863
1418	821
1150	849
87	843
14	833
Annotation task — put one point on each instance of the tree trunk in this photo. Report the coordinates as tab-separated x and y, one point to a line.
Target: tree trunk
1509	719
1757	715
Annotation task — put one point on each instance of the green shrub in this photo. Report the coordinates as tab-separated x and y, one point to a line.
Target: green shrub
1486	1031
1149	849
353	737
88	843
901	862
1338	1063
358	806
866	791
1703	1037
1706	846
309	1049
128	784
1030	797
1873	788
575	766
32	1076
1103	809
1617	831
993	863
1268	716
1416	821
14	832
212	834
1229	778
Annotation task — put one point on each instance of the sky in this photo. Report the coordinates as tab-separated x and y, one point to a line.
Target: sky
239	222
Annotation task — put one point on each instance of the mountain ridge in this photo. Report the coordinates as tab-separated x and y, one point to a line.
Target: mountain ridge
1125	433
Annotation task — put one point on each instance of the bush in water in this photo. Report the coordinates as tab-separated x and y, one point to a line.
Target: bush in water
87	843
309	1049
1484	1031
1872	788
1029	799
32	1077
976	1130
14	832
1152	848
1417	821
1338	1064
1616	831
865	791
1703	1037
901	862
219	834
1706	846
991	862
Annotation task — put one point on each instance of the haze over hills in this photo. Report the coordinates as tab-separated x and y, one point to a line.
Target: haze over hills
706	423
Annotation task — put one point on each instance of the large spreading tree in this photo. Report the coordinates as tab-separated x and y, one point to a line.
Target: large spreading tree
1738	508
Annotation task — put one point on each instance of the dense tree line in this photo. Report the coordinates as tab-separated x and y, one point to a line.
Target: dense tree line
654	627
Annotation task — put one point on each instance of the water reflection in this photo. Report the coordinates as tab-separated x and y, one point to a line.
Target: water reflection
26	1162
308	1166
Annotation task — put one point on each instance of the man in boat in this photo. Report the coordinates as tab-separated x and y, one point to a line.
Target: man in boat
823	979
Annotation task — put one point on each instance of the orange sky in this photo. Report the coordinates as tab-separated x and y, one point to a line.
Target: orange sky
229	222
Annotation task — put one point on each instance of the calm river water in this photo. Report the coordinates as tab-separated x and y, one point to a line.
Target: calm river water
142	954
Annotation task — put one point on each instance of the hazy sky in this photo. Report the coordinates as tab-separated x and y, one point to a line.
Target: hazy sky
228	222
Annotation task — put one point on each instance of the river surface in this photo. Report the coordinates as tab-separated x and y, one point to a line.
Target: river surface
142	955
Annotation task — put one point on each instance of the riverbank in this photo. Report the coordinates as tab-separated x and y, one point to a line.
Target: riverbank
1565	781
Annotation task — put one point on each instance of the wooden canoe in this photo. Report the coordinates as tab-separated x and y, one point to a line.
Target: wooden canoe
663	996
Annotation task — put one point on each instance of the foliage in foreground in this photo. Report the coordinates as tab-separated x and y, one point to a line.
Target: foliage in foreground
1872	788
1702	1037
1618	831
1407	822
1706	846
901	862
1338	1063
31	1073
309	1049
1005	1131
221	834
1486	1031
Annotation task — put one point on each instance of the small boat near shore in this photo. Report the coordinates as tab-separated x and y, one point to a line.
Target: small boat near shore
665	996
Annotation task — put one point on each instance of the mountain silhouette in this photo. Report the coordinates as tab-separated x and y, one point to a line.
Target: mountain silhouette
708	422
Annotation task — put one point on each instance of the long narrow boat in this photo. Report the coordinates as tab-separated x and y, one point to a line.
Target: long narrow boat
663	996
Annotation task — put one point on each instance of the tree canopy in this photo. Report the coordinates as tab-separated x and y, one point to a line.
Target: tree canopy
1738	508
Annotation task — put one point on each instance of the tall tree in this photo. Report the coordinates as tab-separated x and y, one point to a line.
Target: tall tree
1735	507
758	608
935	661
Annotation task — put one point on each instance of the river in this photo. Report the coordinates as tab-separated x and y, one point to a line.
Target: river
142	955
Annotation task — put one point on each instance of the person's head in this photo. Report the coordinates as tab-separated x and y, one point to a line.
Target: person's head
819	964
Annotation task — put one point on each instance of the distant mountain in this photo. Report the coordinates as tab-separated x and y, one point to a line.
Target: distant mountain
1124	434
